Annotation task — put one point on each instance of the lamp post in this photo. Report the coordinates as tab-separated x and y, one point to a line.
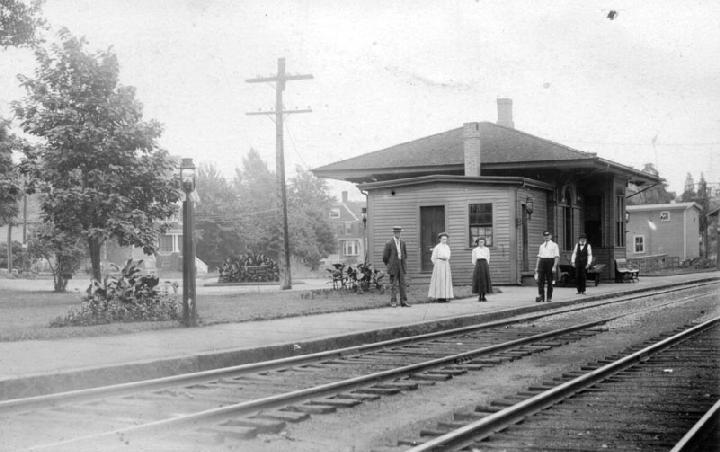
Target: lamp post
364	222
529	207
188	180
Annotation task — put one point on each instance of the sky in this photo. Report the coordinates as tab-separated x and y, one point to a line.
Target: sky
642	88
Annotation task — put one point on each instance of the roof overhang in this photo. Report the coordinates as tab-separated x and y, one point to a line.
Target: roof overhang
482	180
660	207
367	175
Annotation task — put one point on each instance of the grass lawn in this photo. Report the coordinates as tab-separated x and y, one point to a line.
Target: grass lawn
25	315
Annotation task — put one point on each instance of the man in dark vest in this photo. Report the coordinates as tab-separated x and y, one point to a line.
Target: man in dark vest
581	259
394	257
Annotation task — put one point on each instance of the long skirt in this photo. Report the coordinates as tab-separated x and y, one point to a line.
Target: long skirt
481	277
441	281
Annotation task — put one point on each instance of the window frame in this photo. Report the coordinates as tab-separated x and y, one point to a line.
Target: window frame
481	226
356	247
642	243
334	213
170	240
664	216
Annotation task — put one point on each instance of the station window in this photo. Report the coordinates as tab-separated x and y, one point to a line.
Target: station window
481	224
664	216
335	213
639	243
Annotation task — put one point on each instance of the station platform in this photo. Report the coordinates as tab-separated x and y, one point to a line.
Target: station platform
36	367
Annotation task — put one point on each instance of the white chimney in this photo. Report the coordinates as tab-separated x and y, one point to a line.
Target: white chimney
472	148
505	112
344	196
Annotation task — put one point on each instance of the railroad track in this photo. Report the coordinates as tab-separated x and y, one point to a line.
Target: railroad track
662	395
238	403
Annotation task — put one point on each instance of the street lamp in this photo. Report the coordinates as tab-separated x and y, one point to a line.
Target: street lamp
364	222
529	207
188	182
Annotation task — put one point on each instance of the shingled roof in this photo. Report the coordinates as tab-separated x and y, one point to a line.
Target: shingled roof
442	152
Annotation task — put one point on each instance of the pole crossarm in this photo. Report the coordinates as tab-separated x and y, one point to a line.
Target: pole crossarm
284	112
275	78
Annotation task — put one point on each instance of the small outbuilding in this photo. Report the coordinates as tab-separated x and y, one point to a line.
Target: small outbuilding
664	231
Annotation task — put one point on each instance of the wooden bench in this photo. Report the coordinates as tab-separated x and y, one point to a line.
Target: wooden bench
567	274
625	272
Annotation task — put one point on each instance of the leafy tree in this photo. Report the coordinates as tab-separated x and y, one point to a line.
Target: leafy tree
311	236
9	189
218	232
245	217
258	207
19	23
689	194
62	250
104	177
703	198
653	195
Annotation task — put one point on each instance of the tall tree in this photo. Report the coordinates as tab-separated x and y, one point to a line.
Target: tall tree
311	235
688	194
258	207
105	177
9	189
20	22
219	234
703	199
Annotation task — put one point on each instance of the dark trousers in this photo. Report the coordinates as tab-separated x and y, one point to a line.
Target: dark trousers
397	281
545	274
581	275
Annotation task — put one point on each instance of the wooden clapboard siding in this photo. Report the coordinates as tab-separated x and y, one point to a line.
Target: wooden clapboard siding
402	208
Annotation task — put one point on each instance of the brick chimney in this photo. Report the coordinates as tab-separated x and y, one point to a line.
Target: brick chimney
472	148
505	112
344	196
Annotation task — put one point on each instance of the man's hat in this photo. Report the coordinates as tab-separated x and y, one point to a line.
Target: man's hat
443	234
582	236
397	228
546	233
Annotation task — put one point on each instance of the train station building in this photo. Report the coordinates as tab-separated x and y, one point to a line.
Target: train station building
491	180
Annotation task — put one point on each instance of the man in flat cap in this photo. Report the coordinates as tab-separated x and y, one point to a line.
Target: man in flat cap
394	258
545	267
581	259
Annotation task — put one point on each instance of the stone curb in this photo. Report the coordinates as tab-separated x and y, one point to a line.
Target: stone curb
40	384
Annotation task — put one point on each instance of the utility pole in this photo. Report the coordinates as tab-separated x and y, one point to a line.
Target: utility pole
280	78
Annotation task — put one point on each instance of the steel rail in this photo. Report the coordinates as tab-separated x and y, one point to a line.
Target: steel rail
278	400
468	434
12	405
709	421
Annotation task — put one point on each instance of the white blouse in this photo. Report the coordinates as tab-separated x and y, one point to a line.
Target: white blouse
441	251
480	252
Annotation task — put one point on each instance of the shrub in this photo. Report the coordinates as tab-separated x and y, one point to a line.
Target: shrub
128	297
361	278
249	268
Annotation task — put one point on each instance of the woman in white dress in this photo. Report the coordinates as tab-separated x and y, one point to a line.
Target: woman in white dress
441	288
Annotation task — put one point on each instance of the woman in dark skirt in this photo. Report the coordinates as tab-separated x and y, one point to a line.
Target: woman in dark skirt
481	273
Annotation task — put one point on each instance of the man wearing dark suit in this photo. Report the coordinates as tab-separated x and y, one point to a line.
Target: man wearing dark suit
581	259
394	258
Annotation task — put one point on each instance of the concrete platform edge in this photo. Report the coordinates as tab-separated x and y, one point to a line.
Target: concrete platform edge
40	384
